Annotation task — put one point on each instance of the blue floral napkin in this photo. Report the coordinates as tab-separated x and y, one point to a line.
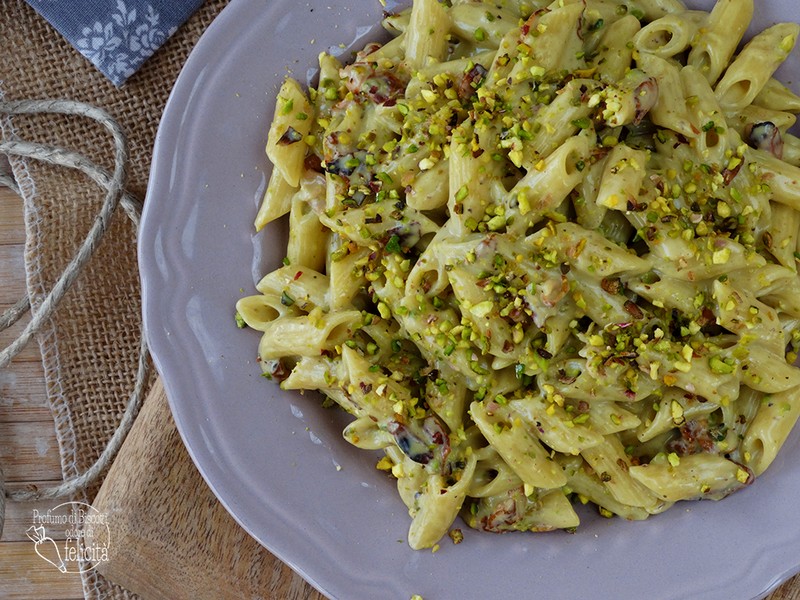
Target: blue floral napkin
117	36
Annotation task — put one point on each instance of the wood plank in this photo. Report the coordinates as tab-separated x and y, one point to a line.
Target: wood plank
12	226
29	452
788	591
19	515
12	233
23	395
12	273
24	576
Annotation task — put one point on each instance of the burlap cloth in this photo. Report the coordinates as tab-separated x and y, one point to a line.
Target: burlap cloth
90	348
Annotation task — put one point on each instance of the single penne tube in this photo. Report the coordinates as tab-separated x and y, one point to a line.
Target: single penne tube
554	512
327	91
743	314
691	477
557	428
290	124
718	38
673	410
455	68
767	372
373	224
655	9
670	109
777	414
580	383
622	178
346	270
480	311
300	287
704	376
438	505
590	252
781	177
613	466
369	392
449	398
614	59
588	487
260	310
558	330
776	96
546	185
601	306
669	35
522	508
277	200
764	281
472	21
308	237
702	260
426	192
306	335
469	181
746	76
518	446
426	36
791	149
313	372
738	415
783	234
411	476
669	292
492	475
363	433
706	116
550	39
556	122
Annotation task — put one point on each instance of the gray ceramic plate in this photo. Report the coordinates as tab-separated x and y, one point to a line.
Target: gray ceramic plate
277	460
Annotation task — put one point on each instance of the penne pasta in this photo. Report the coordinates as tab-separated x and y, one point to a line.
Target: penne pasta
543	253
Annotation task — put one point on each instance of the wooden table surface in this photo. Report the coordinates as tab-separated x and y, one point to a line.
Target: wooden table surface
28	447
29	452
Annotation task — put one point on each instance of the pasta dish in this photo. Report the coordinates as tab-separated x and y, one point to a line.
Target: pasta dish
544	253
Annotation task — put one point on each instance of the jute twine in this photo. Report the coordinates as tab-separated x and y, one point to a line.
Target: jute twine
114	183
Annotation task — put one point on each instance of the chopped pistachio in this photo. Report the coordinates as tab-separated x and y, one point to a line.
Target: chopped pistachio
718	366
